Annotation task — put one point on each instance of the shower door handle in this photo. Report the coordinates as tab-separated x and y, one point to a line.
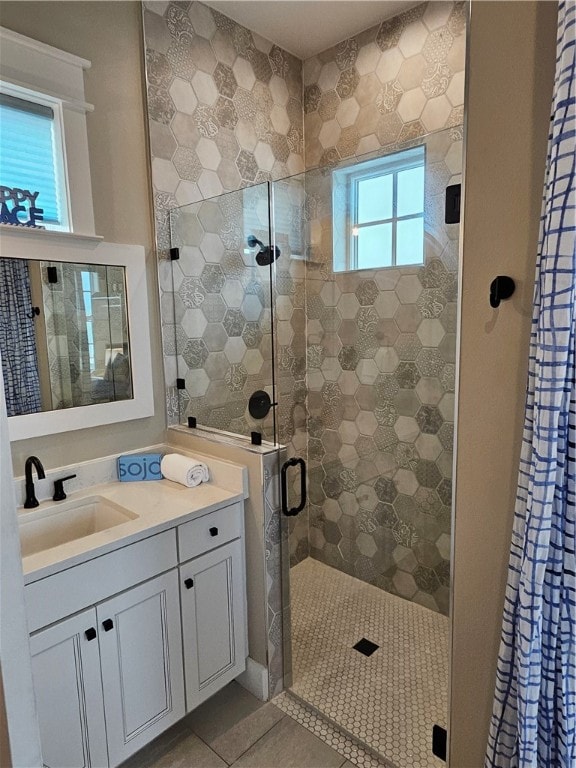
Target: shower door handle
289	512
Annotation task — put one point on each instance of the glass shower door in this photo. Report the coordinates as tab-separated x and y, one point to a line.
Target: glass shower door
367	562
223	349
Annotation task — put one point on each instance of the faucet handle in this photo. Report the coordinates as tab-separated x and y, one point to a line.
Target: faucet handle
59	494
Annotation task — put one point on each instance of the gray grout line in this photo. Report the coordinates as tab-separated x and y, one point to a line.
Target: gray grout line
284	715
210	748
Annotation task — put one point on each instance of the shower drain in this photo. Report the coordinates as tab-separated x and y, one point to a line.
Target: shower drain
367	647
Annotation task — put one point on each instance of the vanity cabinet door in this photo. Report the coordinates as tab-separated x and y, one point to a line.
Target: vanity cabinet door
141	658
66	673
213	621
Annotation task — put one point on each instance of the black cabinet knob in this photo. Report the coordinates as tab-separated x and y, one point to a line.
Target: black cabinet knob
188	583
214	531
108	624
90	633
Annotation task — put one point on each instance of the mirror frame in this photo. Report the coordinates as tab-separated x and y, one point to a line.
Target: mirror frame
54	246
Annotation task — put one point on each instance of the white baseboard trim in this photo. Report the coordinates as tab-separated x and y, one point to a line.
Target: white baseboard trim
255	679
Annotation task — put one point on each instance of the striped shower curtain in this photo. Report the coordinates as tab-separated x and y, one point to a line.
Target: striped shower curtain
534	716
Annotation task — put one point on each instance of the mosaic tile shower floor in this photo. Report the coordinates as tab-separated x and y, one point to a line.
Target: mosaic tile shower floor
389	700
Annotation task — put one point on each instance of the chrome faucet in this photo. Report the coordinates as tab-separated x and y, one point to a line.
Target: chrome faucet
32	461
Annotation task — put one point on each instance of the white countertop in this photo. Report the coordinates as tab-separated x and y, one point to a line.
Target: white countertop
159	505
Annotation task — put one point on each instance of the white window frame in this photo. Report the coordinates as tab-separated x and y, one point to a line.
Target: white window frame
40	73
60	164
346	225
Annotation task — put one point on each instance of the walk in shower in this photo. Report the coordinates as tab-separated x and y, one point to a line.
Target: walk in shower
318	313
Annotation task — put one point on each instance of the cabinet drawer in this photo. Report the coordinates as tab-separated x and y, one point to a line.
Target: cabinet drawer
209	531
62	594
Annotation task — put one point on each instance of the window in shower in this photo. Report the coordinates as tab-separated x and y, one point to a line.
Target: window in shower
378	210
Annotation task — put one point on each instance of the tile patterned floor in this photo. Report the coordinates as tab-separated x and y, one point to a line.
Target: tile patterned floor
235	729
328	733
389	700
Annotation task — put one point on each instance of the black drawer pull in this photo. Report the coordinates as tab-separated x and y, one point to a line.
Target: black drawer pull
214	531
108	624
90	633
188	583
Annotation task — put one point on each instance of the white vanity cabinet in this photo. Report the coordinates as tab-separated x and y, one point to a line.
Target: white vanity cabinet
110	679
213	599
212	622
69	701
141	660
121	648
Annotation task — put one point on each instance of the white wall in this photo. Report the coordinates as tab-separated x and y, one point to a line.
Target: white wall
109	34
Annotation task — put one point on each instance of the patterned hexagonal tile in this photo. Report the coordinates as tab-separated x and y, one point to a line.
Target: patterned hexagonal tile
429	419
195	353
192	292
212	278
428	474
235	377
233	322
247	165
394	83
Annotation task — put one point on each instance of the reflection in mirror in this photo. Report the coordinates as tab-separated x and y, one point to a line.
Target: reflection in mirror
63	335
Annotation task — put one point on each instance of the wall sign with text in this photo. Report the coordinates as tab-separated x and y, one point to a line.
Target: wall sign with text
18	207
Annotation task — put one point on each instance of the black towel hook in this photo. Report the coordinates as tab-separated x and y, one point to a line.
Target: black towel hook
35	311
501	288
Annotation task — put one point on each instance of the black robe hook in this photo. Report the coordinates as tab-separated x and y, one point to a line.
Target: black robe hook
501	288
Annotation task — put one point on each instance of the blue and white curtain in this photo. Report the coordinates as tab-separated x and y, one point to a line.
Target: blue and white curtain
534	717
18	339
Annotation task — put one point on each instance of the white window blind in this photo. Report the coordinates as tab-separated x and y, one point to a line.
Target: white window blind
27	153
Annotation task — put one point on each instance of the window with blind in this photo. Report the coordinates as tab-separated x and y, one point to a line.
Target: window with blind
379	212
31	156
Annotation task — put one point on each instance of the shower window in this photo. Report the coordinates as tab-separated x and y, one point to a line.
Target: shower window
379	212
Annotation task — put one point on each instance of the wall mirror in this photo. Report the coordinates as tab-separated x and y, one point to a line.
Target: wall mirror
73	353
63	335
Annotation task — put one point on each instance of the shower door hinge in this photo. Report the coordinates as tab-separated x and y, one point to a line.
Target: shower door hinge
52	274
174	254
180	384
439	738
452	205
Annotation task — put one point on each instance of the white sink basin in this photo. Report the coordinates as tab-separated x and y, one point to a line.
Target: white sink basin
46	528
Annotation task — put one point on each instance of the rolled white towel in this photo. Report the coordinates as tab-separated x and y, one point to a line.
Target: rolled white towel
184	470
